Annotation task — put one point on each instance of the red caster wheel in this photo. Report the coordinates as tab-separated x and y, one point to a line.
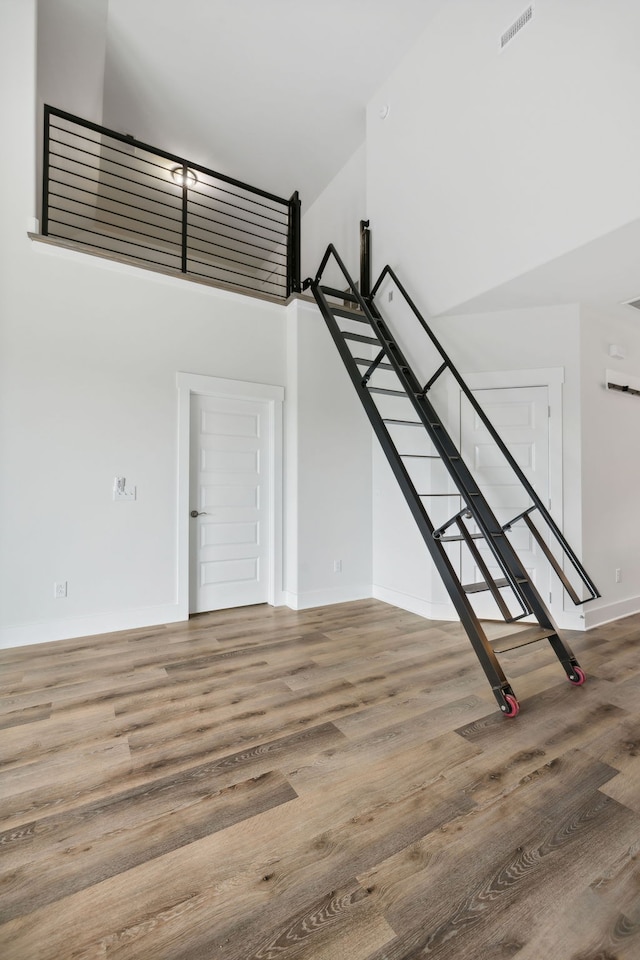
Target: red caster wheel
514	706
579	677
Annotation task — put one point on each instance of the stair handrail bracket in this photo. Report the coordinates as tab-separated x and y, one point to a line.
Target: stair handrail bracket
387	377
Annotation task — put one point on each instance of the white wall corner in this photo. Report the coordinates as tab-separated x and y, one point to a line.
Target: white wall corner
323	598
430	609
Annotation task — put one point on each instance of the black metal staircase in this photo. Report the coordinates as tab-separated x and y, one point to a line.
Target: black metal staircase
370	353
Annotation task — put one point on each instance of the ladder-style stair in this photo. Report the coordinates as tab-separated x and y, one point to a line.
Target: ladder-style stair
359	329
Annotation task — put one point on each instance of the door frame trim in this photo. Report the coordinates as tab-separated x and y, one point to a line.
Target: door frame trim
193	383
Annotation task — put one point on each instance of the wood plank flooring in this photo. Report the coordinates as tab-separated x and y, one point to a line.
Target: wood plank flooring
332	784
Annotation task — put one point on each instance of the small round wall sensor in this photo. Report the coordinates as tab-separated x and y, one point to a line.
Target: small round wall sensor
383	111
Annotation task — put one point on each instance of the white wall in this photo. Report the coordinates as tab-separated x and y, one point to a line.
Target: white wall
89	380
88	362
491	163
72	38
611	461
71	53
335	218
328	470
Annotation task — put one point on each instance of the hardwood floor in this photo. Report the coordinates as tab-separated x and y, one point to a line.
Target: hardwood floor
333	784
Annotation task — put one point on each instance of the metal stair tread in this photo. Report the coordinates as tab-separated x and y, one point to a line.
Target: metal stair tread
361	338
521	638
388	393
482	585
408	423
339	294
367	363
471	536
349	314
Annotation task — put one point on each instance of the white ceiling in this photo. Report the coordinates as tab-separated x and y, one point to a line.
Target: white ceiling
604	272
272	92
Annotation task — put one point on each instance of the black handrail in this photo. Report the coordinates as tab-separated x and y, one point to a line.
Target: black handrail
95	189
538	504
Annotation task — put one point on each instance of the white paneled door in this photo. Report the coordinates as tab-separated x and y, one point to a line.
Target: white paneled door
521	417
229	504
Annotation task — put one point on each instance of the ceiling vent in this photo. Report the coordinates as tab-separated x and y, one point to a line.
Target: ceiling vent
634	303
516	27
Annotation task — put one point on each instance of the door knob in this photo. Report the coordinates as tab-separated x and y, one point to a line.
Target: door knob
202	513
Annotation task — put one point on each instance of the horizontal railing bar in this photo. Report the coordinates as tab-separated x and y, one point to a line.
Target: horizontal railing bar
110	199
234	217
216	198
239	273
123	138
72	186
118	176
216	233
97	246
239	196
132	243
103	145
246	286
175	190
105	223
97	180
221	246
242	263
115	213
214	243
130	167
193	191
231	227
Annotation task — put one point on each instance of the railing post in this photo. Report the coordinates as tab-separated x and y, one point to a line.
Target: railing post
293	246
365	259
44	216
185	200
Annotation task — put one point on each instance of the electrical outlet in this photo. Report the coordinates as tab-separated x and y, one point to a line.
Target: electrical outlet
618	575
337	566
60	589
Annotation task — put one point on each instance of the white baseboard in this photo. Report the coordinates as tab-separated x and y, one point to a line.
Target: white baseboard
569	619
598	616
24	634
324	598
432	610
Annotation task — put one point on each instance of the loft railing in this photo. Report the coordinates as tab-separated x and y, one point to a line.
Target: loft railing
122	197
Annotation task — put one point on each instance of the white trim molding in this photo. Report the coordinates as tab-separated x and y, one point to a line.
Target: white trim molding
192	383
430	609
45	631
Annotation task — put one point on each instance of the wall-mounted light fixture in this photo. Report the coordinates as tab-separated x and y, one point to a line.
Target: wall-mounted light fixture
179	176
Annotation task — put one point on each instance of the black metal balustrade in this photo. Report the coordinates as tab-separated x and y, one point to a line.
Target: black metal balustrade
124	198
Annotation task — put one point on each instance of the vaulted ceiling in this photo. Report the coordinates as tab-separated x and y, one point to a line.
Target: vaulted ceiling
272	92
